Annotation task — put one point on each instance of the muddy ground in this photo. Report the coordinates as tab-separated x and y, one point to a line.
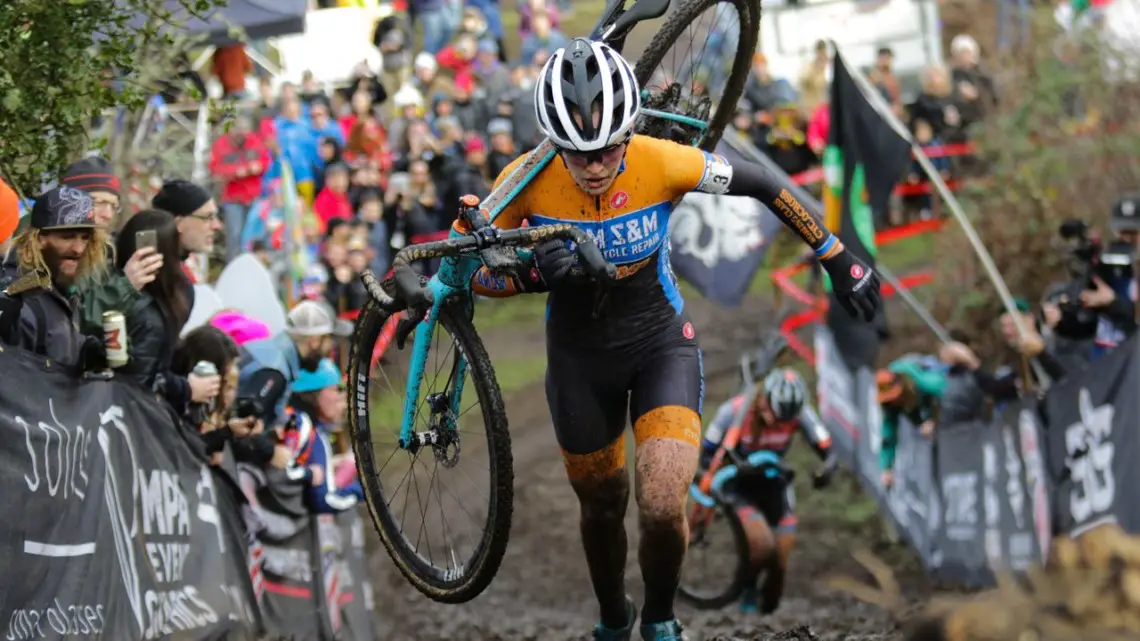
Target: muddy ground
542	591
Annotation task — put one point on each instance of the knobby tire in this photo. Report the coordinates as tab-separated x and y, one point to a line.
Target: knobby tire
741	575
488	556
675	25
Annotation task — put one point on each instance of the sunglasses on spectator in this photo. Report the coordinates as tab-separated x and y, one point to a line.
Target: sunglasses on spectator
605	155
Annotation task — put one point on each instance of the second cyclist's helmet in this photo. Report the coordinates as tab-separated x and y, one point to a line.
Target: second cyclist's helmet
584	76
785	392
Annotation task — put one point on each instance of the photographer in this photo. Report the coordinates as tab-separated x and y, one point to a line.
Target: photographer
1114	296
1100	298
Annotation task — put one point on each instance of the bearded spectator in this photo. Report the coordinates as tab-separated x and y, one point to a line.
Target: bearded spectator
61	246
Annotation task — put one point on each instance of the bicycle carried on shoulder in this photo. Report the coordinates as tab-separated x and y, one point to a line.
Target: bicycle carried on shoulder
428	426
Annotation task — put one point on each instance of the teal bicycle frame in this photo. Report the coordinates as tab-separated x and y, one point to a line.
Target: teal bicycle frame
455	272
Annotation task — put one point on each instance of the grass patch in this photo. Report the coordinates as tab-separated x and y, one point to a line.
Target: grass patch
843	501
495	314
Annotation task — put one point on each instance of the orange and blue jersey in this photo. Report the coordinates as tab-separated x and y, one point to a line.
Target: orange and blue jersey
629	223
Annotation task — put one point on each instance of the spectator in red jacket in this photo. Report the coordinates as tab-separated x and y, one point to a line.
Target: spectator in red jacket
238	160
333	200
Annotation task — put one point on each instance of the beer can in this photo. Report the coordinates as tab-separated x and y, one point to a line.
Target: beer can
115	338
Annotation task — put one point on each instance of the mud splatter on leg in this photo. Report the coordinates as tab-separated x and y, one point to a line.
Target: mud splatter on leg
666	462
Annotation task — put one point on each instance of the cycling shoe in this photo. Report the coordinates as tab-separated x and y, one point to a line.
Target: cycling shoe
602	633
666	631
748	602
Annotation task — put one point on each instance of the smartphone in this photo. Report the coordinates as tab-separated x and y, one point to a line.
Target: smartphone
146	238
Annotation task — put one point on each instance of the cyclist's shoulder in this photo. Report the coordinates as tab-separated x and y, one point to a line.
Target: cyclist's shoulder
661	150
514	164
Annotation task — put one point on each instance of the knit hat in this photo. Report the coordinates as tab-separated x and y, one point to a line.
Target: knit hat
63	208
180	197
91	175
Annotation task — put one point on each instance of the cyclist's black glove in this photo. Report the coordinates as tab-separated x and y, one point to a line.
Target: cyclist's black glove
854	284
554	261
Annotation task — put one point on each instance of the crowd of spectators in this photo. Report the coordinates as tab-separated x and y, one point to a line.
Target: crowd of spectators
380	163
789	120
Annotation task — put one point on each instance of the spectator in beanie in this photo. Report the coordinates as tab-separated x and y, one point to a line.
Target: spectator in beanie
157	318
61	246
333	201
196	217
503	149
238	160
109	288
329	152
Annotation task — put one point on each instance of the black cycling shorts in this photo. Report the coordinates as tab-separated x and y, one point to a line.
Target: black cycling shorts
591	391
774	500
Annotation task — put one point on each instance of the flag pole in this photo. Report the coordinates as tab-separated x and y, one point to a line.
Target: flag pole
911	302
875	99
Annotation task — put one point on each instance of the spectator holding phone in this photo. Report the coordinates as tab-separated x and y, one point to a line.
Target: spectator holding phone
156	319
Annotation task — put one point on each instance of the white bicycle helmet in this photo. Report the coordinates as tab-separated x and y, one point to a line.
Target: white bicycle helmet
575	80
785	393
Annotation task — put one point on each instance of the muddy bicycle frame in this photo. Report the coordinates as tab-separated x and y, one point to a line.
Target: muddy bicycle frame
460	252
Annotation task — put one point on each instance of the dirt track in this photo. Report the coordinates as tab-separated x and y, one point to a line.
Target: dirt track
542	591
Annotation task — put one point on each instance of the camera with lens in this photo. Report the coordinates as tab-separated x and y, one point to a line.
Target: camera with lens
247	407
1090	258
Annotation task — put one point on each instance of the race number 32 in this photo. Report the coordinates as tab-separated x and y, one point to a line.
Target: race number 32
1091	452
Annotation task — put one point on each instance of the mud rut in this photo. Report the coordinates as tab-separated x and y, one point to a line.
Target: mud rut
542	590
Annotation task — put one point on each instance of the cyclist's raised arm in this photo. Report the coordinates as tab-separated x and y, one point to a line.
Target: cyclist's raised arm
690	169
485	282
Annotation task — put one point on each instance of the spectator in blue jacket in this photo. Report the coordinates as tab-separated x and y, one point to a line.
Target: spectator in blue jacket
320	397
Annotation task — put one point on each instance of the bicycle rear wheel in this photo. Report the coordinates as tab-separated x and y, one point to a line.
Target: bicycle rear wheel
717	568
388	472
729	28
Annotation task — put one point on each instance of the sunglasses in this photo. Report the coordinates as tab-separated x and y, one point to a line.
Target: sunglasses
605	155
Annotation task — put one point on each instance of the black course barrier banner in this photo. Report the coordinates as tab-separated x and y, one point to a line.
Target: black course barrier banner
983	495
1094	443
356	592
115	526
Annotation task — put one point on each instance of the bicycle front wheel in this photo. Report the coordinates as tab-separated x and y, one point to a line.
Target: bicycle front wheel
704	86
717	567
418	513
